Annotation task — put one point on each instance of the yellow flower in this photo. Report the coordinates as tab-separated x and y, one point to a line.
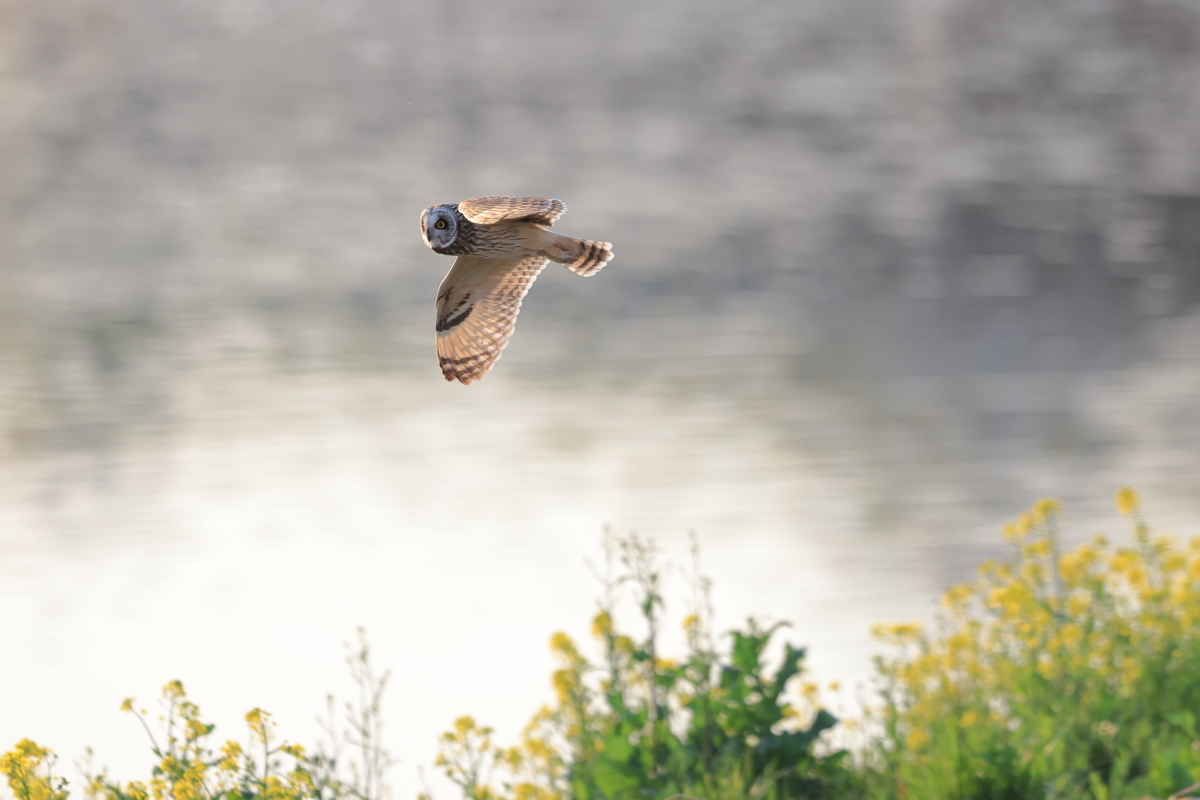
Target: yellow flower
1075	567
601	625
27	767
957	597
231	753
897	632
29	749
196	729
565	685
258	720
1071	635
1044	509
1126	564
1127	501
563	646
917	738
1038	549
293	750
1173	562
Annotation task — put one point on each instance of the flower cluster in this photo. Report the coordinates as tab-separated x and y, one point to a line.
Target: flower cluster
29	769
190	766
1073	674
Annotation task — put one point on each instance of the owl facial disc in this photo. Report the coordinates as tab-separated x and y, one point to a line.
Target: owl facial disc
439	227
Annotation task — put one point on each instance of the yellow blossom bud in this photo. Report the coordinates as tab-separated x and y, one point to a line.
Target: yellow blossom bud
464	725
562	645
1127	500
917	738
1044	509
601	625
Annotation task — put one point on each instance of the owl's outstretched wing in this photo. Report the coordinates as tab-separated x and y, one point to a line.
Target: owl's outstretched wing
477	307
538	210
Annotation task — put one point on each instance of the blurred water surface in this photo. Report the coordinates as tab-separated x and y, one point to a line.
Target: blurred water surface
886	273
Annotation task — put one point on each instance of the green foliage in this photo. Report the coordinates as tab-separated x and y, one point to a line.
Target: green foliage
633	724
1062	676
1069	676
191	766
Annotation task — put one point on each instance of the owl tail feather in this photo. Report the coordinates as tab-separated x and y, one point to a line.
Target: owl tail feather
579	255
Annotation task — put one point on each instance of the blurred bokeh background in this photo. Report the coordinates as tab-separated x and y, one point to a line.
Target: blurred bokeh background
886	272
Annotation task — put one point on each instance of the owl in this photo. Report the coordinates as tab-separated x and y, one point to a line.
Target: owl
502	243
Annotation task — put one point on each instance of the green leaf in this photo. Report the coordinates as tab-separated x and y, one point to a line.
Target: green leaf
746	649
1184	719
612	780
823	722
793	657
617	747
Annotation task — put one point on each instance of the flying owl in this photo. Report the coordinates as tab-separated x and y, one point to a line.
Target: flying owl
502	243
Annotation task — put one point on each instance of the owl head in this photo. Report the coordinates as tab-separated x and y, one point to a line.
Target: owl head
439	226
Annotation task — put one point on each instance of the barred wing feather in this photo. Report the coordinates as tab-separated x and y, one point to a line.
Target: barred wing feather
477	308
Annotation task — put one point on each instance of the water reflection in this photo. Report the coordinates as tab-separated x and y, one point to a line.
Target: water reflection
885	274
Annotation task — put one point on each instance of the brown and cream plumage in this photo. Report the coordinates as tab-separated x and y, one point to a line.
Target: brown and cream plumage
502	243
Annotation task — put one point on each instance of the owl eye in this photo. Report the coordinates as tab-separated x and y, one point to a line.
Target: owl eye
440	224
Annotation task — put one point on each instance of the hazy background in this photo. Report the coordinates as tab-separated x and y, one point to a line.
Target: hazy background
887	271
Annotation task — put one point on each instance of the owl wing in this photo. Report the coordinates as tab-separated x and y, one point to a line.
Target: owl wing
477	307
538	210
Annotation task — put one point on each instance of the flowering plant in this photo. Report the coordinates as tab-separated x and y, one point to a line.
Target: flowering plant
1072	675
